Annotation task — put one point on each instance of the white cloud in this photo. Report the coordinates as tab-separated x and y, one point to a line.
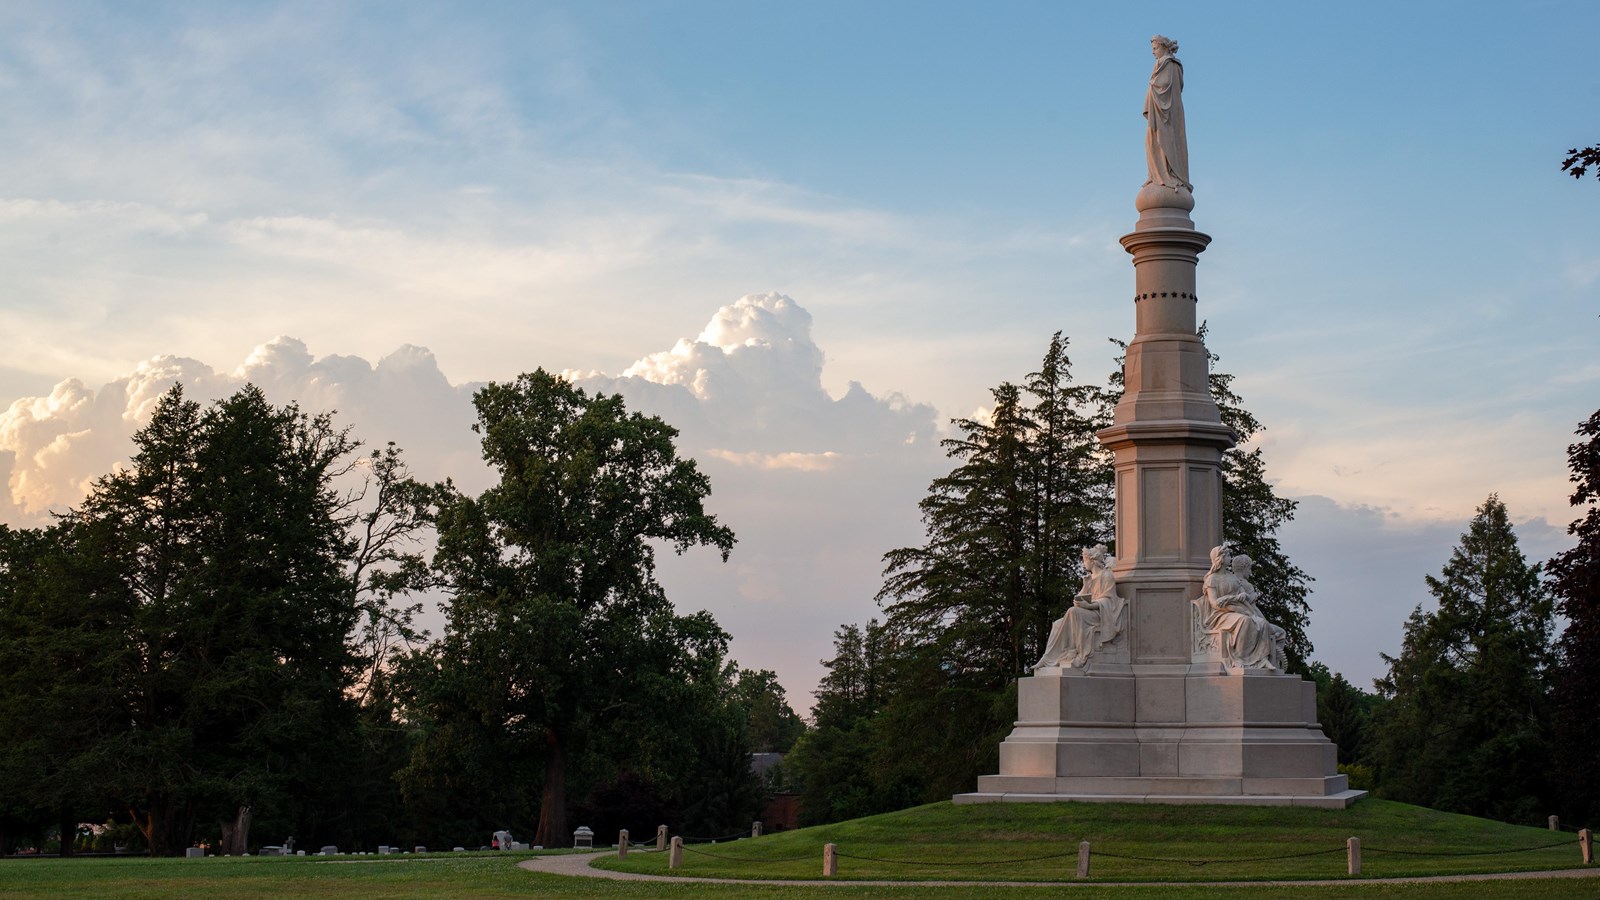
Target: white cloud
804	462
55	446
816	487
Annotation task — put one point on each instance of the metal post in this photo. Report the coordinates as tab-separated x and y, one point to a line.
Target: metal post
622	844
1353	851
1083	859
830	860
675	860
661	837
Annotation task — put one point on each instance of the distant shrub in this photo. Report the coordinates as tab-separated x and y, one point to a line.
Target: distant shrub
1362	778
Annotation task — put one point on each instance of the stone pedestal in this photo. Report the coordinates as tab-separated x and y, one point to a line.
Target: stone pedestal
1166	738
1163	718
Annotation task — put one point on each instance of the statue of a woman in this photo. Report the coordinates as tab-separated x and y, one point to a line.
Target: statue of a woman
1094	618
1166	142
1275	633
1244	636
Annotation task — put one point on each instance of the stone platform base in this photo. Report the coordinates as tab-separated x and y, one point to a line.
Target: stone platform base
1338	800
1180	734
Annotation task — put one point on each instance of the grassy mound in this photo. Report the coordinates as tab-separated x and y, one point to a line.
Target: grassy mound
1039	842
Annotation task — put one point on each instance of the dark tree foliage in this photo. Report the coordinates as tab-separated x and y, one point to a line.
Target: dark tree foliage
829	760
1579	160
1574	580
1252	513
1343	710
774	725
1006	528
680	746
969	610
223	546
1465	728
62	658
557	629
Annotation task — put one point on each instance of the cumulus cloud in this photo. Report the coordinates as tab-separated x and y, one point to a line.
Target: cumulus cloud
817	487
749	388
53	447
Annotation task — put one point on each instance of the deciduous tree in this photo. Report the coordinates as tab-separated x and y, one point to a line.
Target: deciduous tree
1574	578
555	614
1580	159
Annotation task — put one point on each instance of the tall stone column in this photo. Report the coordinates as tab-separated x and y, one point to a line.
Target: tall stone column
1173	700
1166	437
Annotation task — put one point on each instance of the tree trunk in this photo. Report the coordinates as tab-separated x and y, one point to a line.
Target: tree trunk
69	832
165	824
552	831
236	834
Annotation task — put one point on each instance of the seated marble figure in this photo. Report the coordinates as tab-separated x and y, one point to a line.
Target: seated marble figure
1229	614
1095	618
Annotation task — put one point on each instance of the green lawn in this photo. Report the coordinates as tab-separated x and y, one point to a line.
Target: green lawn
498	876
952	842
976	841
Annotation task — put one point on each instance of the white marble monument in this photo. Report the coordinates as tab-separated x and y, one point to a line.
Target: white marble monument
1163	682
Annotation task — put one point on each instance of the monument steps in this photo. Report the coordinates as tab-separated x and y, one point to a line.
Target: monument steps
1339	800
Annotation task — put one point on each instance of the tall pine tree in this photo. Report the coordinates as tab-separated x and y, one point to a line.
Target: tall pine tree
1466	728
1006	528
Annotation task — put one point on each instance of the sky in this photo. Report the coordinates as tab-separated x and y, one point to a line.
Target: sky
809	235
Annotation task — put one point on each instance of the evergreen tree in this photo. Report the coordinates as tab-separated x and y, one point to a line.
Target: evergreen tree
1343	710
829	761
1252	513
1006	528
224	544
1575	583
1466	725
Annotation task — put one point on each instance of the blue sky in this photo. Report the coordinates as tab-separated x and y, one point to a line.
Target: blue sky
1401	279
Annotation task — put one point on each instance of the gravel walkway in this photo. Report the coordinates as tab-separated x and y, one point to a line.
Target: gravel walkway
577	865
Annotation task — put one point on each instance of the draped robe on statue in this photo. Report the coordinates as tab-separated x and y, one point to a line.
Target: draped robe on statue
1244	635
1166	141
1094	619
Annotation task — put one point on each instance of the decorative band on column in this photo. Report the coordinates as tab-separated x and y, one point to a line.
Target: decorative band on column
1154	294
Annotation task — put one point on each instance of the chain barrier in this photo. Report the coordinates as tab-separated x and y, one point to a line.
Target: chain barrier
920	862
1105	854
715	840
1198	863
1465	852
689	849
